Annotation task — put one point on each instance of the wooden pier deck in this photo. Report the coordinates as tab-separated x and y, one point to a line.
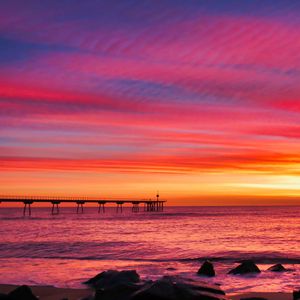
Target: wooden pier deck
149	205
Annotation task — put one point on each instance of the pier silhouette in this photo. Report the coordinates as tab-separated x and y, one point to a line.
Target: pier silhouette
149	205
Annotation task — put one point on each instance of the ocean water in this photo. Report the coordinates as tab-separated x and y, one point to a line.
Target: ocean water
66	249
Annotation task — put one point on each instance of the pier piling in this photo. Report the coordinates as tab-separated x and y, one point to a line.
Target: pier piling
79	207
27	204
55	207
120	206
101	206
135	206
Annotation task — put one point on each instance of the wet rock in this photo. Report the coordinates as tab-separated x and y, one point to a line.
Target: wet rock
112	277
246	267
296	295
88	298
172	288
22	292
126	285
277	268
4	297
120	291
207	269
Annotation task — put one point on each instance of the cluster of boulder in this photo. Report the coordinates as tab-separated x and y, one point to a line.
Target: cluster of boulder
296	295
22	292
246	267
127	285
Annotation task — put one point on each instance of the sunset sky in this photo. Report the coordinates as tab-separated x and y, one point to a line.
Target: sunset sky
197	99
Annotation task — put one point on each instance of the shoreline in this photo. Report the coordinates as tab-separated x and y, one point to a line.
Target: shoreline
265	295
45	292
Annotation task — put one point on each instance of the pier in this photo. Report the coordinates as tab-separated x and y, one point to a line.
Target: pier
148	205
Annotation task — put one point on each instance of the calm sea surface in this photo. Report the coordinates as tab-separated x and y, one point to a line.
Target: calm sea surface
66	249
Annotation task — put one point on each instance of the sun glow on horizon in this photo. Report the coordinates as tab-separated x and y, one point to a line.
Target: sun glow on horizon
197	101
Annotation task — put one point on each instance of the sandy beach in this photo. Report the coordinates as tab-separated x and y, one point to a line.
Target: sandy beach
50	292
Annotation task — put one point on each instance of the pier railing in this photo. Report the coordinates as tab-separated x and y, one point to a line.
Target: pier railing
149	205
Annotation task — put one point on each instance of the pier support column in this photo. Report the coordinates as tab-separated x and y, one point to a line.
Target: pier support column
101	206
120	206
79	207
55	207
155	206
27	204
135	207
148	206
152	206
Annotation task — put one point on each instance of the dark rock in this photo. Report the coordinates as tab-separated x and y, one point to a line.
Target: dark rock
160	289
4	297
246	267
126	285
277	268
172	288
201	287
88	298
22	292
112	277
296	295
120	291
207	269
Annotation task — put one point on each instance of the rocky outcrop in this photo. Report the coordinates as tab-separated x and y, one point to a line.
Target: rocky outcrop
207	269
22	292
114	285
110	278
246	267
121	291
277	268
296	295
173	288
